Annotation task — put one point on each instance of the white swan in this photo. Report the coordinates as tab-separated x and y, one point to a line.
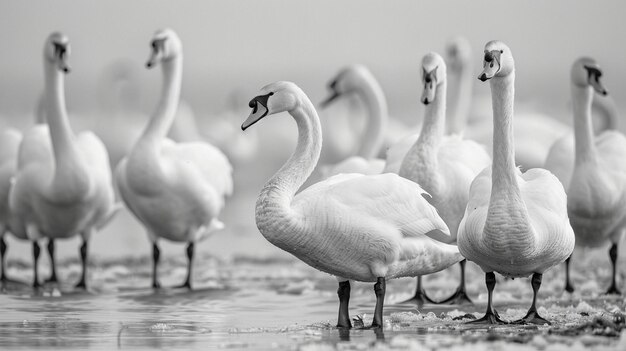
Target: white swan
359	80
9	143
515	224
595	178
443	165
534	132
353	226
63	181
176	190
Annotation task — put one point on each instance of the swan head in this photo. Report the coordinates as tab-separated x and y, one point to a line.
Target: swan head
458	53
349	80
57	50
273	98
165	45
497	61
433	74
586	72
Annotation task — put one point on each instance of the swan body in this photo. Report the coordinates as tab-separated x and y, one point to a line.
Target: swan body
175	189
359	80
596	177
63	183
515	223
444	165
9	143
353	226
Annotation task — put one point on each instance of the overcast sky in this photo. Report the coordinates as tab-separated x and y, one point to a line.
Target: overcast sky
230	44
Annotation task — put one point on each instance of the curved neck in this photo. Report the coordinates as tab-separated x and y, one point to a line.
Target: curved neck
282	187
61	133
433	126
583	129
461	97
163	117
374	98
502	99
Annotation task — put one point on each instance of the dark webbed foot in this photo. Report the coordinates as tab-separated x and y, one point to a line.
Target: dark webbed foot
490	317
532	317
420	298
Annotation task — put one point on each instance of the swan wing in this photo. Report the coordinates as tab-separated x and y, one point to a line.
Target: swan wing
354	164
396	153
561	158
35	147
208	160
389	198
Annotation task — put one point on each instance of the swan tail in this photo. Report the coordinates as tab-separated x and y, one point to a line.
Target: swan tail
205	231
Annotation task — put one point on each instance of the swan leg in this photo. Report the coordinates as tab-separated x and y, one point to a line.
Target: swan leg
613	255
460	296
533	317
420	297
53	266
491	316
82	283
190	250
379	290
3	251
156	253
36	252
568	285
343	321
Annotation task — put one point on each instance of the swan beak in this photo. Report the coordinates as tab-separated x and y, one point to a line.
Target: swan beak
259	110
491	65
597	85
428	95
330	99
154	59
64	66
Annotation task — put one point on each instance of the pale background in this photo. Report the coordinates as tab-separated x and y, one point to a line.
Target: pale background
243	45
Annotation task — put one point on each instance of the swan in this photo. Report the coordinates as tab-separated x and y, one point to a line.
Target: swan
356	227
592	169
459	60
9	143
62	185
515	223
359	80
443	165
176	190
534	132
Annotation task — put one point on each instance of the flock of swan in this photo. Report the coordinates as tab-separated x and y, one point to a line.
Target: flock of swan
399	207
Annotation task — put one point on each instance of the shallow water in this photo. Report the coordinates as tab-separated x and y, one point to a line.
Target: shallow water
282	304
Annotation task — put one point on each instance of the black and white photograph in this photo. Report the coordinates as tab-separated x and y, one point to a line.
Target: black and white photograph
312	175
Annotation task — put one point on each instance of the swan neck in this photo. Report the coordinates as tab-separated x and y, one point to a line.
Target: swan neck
433	127
376	103
421	159
163	117
460	100
282	187
583	129
502	98
61	133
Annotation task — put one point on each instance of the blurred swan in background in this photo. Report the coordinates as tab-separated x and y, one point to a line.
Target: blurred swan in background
9	143
362	227
176	190
515	223
443	165
595	178
358	80
63	181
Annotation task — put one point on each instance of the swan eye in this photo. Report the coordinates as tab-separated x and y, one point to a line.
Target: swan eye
502	51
